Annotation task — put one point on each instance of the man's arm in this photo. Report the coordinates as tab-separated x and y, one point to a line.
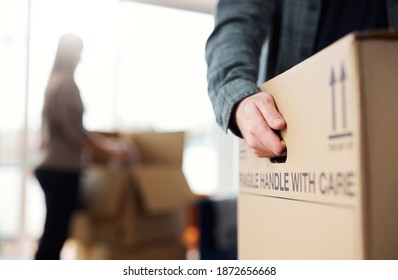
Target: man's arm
232	54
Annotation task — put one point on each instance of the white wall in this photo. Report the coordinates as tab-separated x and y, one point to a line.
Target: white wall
204	6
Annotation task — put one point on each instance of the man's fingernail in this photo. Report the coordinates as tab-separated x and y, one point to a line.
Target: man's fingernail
277	121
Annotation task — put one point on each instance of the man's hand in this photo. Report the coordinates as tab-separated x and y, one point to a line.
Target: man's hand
257	118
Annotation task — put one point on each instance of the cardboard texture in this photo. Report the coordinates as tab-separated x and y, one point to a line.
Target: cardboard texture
158	148
136	206
336	195
163	188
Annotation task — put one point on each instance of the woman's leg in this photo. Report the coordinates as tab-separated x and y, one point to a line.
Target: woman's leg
61	191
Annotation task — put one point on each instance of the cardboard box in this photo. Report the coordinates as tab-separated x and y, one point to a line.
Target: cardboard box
137	205
161	250
336	195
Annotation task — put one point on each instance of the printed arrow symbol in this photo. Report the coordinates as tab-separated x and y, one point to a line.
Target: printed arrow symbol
332	83
343	95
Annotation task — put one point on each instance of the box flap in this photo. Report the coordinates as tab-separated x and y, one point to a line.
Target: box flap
163	188
159	148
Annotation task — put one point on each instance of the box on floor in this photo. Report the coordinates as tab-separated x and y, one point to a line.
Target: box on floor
166	249
139	205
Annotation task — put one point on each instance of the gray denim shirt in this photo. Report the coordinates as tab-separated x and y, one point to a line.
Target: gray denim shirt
234	47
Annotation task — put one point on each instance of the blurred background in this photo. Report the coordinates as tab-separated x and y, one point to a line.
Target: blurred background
142	69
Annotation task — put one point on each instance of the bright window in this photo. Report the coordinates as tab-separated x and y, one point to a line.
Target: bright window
162	82
142	68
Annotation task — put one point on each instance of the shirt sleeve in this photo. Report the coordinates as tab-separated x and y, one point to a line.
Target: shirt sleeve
232	54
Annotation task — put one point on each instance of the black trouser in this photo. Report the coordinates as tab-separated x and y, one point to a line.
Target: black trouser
61	190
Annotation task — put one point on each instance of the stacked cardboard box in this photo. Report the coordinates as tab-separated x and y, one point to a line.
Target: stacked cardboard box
335	196
135	212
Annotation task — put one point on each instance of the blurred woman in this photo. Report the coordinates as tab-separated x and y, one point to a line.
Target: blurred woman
63	140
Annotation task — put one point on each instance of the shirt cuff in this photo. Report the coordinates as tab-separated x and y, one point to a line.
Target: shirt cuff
232	94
